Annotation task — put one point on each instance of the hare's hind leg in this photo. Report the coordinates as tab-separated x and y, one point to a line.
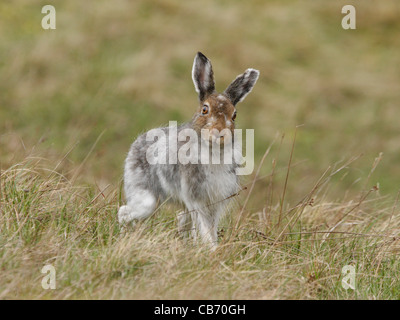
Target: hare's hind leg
141	204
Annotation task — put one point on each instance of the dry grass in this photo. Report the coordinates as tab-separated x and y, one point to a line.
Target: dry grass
47	220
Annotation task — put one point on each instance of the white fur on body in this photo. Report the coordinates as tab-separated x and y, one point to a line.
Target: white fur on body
202	188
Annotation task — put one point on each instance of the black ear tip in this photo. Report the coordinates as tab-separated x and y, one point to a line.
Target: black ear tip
253	72
201	56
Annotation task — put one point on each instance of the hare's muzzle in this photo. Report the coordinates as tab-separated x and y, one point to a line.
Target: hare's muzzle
220	136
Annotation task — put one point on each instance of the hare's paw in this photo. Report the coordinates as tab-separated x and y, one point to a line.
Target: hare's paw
142	206
125	215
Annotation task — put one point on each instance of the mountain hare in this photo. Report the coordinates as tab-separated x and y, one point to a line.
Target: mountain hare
203	186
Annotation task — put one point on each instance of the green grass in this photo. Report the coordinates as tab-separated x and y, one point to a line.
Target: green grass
73	100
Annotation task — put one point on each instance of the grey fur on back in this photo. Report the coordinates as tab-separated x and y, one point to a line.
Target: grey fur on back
165	180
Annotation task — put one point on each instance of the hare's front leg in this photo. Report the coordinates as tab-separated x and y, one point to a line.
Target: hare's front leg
207	228
185	224
203	224
141	204
208	223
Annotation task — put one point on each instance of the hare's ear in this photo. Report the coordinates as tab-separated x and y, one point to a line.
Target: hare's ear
203	76
242	86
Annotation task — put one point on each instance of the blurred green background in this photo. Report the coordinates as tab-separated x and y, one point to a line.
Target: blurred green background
113	69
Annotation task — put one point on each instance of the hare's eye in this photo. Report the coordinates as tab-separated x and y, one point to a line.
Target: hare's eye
204	110
234	116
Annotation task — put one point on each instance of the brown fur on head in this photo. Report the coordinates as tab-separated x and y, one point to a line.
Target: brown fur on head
217	112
